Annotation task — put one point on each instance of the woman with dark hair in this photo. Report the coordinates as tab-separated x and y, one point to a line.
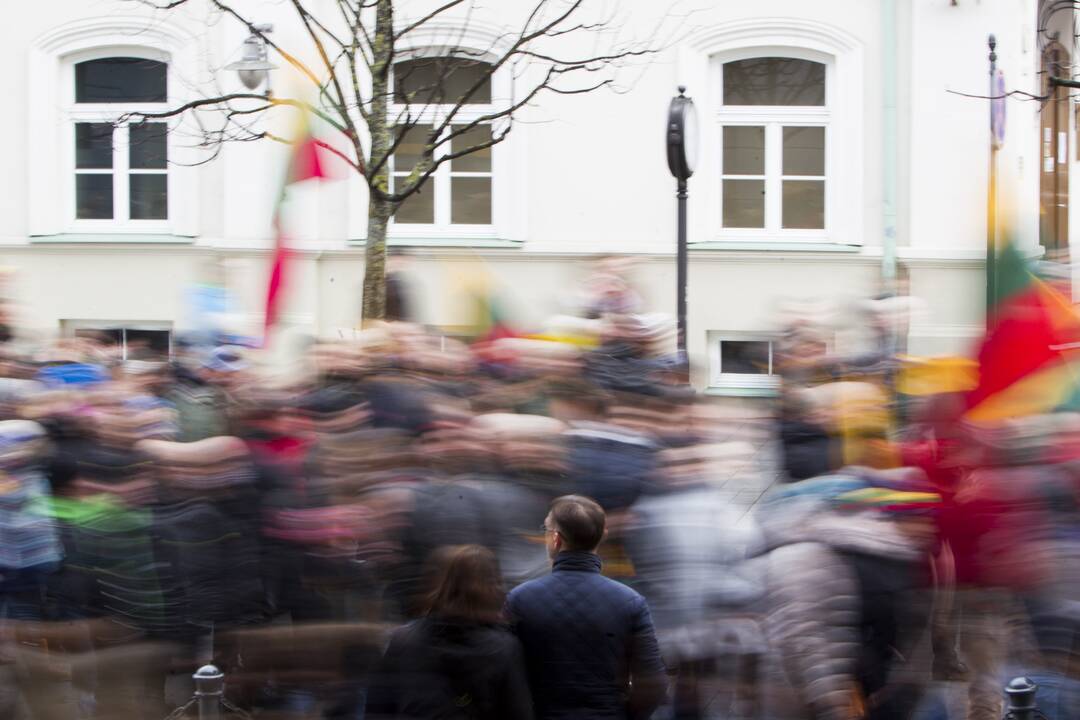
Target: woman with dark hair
458	662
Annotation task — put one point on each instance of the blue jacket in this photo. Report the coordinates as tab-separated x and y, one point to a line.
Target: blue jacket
585	638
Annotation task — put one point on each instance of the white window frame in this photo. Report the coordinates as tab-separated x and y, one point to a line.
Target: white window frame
700	67
721	380
774	118
440	180
70	327
510	191
50	113
121	172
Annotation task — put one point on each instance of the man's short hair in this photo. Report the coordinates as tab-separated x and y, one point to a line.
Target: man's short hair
579	520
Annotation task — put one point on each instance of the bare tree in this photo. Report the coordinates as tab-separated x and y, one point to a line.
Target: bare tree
378	96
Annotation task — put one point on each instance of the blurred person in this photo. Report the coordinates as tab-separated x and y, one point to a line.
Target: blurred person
201	394
611	464
458	661
589	642
447	507
690	553
399	295
207	303
848	600
933	444
107	593
30	552
607	290
806	447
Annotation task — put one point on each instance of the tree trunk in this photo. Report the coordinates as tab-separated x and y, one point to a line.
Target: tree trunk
382	140
374	307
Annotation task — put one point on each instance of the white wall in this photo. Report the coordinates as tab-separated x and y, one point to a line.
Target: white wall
951	134
589	176
594	166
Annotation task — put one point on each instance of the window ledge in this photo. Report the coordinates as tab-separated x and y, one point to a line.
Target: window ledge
465	242
775	245
107	238
759	391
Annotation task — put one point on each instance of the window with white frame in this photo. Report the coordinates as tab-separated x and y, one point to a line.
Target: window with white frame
459	194
119	173
745	361
773	123
130	340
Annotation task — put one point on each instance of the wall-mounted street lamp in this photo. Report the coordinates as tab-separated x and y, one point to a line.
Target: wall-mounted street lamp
253	67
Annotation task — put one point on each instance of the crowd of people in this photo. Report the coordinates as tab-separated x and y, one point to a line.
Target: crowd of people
524	527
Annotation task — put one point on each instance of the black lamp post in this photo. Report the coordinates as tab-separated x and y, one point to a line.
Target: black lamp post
682	148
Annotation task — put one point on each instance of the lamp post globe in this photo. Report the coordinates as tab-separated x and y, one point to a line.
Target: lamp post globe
253	66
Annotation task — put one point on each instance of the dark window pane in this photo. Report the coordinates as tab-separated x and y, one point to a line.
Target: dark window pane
149	197
479	161
418	207
744	150
745	357
442	80
804	204
804	151
146	146
120	79
111	336
411	148
774	81
470	201
147	344
744	203
93	145
94	197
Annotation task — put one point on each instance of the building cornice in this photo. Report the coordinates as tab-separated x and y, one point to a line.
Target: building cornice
113	29
777	30
705	254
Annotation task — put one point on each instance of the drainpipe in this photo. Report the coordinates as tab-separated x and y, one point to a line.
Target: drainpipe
888	148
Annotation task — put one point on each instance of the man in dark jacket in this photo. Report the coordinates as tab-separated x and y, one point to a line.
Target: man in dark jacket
589	643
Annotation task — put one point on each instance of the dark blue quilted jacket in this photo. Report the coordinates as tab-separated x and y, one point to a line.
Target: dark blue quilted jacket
585	637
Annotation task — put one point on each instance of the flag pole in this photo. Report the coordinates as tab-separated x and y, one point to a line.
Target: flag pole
991	204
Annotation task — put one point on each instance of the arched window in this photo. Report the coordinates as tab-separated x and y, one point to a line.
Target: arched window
781	101
140	184
427	90
121	80
120	171
441	81
774	128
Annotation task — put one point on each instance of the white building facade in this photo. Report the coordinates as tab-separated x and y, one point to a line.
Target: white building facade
838	142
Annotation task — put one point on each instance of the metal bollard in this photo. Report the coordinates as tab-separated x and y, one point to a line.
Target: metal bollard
209	685
1022	706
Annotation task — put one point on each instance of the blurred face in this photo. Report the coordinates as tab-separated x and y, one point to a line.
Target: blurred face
565	409
552	538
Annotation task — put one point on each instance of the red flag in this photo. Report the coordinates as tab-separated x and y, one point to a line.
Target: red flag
277	270
304	164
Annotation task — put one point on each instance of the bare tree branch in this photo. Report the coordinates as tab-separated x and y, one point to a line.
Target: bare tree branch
427	18
222	101
349	128
1011	93
308	19
163	5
